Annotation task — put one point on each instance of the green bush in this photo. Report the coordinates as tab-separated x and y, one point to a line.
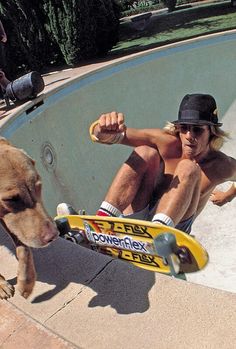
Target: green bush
28	45
41	33
62	24
170	4
106	21
83	29
126	5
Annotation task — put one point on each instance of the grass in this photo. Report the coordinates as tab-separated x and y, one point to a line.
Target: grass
178	25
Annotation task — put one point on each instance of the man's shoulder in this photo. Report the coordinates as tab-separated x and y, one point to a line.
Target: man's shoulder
223	164
168	145
220	156
168	135
215	161
165	138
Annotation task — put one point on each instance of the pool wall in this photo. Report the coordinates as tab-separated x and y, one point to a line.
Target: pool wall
146	87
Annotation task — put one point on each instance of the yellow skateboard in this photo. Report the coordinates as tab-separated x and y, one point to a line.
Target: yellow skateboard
145	244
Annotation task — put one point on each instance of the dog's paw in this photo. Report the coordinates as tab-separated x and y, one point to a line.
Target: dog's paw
6	289
25	288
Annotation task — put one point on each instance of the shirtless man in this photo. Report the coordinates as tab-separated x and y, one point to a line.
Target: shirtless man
172	172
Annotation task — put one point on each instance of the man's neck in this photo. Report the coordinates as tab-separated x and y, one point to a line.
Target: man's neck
199	158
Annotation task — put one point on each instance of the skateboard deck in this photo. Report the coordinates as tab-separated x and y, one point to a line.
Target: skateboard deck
145	244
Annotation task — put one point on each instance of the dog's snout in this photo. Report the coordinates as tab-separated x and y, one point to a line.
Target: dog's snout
50	233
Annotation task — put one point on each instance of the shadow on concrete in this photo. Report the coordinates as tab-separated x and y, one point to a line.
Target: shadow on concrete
123	287
117	284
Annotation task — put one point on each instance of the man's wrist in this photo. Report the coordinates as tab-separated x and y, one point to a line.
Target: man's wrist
231	192
113	138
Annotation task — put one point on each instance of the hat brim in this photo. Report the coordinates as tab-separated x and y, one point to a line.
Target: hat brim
196	122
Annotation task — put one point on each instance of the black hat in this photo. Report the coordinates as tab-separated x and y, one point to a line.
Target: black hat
198	109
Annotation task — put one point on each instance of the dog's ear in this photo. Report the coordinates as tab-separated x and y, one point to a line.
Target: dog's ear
4	141
29	157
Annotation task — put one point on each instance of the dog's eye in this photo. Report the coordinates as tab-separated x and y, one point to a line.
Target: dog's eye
12	200
14	203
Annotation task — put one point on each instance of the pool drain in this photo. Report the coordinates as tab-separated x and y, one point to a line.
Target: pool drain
48	156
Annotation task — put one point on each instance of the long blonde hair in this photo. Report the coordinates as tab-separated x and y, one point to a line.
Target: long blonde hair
217	136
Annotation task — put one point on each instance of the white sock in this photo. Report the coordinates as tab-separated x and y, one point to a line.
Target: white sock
163	219
109	209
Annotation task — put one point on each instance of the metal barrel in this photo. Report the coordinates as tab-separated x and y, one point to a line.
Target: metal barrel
25	87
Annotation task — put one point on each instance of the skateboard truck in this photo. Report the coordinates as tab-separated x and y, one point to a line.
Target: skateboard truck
65	231
167	248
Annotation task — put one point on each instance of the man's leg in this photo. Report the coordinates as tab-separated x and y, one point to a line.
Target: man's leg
181	200
134	183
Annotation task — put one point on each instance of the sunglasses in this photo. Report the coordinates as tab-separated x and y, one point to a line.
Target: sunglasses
197	130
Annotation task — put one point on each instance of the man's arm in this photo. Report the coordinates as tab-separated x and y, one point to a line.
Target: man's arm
110	128
220	198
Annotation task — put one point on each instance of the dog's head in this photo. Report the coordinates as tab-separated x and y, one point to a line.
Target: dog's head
21	207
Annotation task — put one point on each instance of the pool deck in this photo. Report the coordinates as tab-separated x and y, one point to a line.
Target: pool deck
85	300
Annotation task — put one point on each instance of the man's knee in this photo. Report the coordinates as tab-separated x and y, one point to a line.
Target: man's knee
188	170
144	157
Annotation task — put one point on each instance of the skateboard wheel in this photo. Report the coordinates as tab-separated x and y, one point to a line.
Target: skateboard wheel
75	238
165	244
63	226
184	255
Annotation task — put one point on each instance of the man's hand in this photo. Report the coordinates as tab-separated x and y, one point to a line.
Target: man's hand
219	198
109	128
110	123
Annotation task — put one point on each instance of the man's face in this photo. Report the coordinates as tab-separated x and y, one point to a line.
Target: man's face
194	139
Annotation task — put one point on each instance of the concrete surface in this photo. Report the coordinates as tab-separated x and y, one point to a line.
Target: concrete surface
96	302
17	330
86	300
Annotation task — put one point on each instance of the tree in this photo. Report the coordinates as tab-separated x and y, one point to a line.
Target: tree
82	29
170	4
58	31
106	20
126	5
62	23
28	41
